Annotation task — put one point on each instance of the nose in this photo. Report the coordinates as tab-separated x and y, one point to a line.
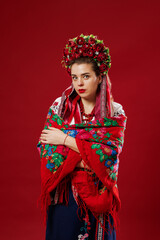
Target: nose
80	81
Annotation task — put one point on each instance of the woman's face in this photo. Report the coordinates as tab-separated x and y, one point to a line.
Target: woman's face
85	80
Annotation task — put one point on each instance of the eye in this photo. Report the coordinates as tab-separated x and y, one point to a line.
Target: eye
86	76
74	77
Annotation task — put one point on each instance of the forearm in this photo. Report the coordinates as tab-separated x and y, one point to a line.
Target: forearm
70	142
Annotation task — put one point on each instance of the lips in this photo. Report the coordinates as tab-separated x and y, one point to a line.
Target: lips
81	90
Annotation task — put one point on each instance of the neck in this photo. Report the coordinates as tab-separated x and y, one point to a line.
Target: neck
88	104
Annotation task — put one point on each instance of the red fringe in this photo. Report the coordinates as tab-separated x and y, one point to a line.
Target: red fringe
45	198
84	210
63	190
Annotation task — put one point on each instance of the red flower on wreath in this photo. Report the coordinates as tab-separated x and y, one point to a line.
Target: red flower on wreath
99	47
87	46
80	51
71	43
65	52
80	40
101	57
88	52
92	40
85	54
71	57
67	61
74	49
103	67
69	70
94	48
74	55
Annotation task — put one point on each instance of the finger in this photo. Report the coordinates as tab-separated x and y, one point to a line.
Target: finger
45	130
44	137
43	134
51	127
44	141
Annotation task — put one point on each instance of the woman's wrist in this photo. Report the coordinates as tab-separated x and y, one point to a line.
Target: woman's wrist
70	142
65	139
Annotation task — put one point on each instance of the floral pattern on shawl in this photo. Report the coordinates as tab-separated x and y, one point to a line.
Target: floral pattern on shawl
100	143
100	133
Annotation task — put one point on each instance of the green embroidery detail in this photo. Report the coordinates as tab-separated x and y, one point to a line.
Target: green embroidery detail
112	168
99	152
59	121
58	159
46	146
95	146
108	134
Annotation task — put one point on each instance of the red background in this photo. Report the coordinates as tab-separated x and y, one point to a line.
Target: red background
33	34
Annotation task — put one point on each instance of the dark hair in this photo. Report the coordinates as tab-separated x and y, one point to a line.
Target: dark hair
87	60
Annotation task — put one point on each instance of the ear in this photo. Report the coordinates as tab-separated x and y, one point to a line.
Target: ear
99	79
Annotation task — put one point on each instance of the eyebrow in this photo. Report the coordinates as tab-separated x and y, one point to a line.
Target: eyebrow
81	74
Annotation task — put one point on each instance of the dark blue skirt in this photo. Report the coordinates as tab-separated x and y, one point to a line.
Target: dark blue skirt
64	224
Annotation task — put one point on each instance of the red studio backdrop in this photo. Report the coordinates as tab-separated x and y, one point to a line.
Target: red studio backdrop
33	35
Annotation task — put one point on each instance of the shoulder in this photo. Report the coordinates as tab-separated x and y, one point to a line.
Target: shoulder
55	105
117	109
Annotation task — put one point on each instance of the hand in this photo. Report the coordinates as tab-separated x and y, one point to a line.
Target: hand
52	136
82	164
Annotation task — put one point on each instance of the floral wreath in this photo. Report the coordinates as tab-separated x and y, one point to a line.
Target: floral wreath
87	46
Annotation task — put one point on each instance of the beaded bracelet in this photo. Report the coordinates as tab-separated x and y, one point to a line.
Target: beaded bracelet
65	138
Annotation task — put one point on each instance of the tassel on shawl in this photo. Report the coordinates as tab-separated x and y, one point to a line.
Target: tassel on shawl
82	180
63	191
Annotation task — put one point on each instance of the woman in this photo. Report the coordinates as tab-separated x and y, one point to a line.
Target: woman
80	146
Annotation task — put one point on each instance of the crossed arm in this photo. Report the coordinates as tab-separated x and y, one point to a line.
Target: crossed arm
57	137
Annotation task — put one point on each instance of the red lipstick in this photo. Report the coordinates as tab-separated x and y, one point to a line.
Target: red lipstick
81	90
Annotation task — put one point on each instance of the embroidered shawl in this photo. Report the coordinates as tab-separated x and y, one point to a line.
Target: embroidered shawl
100	143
